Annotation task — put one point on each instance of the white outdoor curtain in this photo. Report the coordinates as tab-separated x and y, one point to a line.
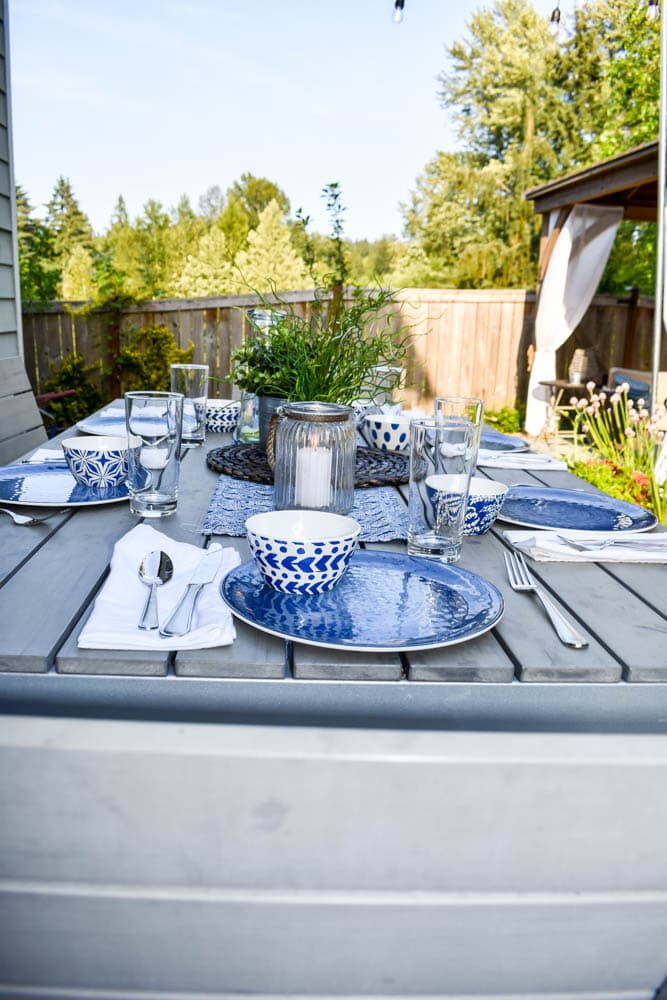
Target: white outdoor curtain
573	275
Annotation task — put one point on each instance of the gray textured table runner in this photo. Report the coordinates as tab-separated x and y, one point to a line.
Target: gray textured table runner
379	510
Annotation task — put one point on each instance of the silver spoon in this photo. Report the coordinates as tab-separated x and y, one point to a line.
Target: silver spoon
156	568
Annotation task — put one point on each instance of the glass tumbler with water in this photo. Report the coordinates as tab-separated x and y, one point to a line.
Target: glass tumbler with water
154	421
441	464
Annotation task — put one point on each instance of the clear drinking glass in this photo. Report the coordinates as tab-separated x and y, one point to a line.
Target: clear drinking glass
441	464
247	426
192	382
315	449
466	407
154	421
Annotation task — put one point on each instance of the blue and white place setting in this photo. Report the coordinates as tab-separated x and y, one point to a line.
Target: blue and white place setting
586	547
51	484
385	602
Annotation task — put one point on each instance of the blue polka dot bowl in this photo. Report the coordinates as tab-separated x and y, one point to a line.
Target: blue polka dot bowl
222	415
389	432
99	463
484	502
302	551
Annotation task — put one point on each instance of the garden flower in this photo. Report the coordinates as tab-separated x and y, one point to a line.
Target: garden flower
574	401
615	399
641	403
630	433
590	386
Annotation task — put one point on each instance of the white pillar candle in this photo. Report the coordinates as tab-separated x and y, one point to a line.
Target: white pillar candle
154	458
312	485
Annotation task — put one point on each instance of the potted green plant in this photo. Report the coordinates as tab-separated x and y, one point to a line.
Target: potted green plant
344	350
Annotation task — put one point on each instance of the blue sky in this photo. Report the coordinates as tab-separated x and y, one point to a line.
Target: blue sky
159	98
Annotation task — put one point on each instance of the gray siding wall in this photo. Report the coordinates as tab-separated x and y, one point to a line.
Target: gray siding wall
10	312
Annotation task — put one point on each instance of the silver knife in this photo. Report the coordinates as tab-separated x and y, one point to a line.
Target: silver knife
181	617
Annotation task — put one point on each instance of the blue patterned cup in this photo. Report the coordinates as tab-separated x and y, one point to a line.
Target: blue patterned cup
485	498
222	415
97	462
302	551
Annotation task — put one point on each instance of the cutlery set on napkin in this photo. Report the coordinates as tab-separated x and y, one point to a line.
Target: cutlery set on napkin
592	546
190	611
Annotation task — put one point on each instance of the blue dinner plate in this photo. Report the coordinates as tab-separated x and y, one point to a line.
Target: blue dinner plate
497	441
51	484
545	507
386	602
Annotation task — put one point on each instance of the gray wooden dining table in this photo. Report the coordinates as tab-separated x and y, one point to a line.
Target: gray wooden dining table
483	818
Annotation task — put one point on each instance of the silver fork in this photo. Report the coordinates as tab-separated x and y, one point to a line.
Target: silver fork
28	519
521	580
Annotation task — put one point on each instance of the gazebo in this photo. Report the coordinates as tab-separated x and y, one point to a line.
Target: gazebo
580	215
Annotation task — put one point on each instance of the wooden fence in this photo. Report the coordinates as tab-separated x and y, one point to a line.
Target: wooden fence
465	342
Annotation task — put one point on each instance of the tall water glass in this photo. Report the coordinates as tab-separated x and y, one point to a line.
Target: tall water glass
441	463
468	408
192	382
154	421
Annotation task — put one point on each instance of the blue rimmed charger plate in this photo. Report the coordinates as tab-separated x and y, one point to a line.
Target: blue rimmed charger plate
110	421
51	484
547	507
386	602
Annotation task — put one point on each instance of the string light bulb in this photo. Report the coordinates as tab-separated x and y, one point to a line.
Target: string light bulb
398	11
653	12
554	22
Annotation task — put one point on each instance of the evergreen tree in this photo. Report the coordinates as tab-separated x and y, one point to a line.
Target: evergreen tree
206	272
270	261
38	269
69	226
78	281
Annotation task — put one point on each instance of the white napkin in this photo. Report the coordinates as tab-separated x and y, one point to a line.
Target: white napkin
518	460
547	546
45	455
118	606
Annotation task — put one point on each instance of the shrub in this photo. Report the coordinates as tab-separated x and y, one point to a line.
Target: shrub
72	373
145	357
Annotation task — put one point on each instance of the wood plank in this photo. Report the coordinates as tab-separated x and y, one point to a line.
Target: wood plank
83	544
559	809
570	948
551	899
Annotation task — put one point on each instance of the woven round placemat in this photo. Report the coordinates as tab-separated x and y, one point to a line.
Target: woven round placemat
248	461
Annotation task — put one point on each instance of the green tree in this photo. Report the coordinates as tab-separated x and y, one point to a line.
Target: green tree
150	234
246	200
38	269
206	272
69	226
270	261
78	279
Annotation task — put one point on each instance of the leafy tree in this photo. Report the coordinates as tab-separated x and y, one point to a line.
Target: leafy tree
527	110
207	271
78	281
38	269
69	226
270	261
246	200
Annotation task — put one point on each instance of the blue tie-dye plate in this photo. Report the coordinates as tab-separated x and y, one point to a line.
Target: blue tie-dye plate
386	602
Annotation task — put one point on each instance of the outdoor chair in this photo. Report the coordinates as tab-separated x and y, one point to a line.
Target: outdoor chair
21	424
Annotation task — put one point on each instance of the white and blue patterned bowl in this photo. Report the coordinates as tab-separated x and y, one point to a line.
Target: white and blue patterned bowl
97	462
484	502
302	551
389	432
222	415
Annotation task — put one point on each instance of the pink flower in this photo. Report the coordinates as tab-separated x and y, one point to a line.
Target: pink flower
629	432
590	386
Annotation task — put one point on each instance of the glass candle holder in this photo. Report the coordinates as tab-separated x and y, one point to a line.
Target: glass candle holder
315	455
